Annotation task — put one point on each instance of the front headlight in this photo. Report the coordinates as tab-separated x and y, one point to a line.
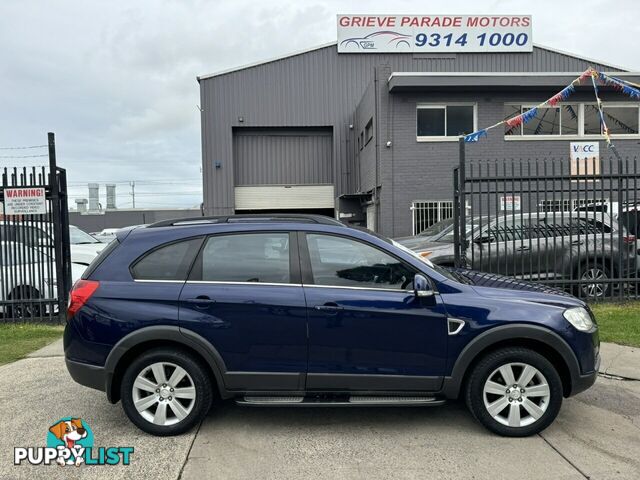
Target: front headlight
579	318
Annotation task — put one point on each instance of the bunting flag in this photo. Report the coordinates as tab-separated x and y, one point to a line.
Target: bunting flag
562	95
475	136
628	88
620	85
527	116
603	125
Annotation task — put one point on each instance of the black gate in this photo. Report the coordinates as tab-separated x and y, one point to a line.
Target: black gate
567	224
35	260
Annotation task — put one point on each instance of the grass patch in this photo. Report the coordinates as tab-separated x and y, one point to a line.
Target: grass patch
17	340
618	322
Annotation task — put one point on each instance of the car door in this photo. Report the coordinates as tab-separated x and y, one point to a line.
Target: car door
505	247
245	297
367	329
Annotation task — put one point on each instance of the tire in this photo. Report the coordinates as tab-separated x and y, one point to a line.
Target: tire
142	385
594	290
26	310
531	419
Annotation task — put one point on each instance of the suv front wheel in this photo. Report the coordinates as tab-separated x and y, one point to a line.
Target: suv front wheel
514	392
166	392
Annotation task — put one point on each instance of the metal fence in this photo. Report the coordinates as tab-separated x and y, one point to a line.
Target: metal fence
570	225
35	266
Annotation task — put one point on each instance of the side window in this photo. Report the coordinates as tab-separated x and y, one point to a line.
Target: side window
249	257
168	262
33	236
509	229
629	220
339	261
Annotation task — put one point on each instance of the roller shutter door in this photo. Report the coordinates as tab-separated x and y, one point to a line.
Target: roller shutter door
274	197
278	168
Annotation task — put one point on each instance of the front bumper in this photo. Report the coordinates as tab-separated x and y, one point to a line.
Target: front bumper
91	376
583	382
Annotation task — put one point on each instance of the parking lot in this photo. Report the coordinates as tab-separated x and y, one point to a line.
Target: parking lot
597	435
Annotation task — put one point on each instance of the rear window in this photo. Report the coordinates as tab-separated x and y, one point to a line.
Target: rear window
167	262
104	253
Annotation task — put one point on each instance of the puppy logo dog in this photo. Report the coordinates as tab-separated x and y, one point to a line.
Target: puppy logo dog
69	431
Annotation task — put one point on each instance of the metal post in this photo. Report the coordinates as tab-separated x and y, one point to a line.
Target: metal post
64	223
456	217
462	228
57	225
621	245
133	193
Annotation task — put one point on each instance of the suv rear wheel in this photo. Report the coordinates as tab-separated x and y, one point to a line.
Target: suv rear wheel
166	392
514	392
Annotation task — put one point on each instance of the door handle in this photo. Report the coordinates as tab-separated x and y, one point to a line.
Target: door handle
577	242
201	301
524	248
329	307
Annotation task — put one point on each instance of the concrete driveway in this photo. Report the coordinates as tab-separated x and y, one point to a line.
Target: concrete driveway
597	435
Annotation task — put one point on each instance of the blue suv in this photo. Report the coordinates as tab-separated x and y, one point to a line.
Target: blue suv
304	311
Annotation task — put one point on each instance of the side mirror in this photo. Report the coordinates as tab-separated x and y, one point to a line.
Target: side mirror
422	286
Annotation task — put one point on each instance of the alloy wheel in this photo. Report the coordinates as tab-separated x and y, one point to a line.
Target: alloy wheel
516	394
593	286
164	393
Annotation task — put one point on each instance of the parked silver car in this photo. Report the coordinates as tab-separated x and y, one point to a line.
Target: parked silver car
557	246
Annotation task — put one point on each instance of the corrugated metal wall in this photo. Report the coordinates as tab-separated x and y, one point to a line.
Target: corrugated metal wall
278	156
322	88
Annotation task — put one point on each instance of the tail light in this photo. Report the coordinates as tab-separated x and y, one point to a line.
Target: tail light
629	239
80	293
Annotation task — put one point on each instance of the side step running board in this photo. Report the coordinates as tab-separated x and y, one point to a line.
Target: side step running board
339	401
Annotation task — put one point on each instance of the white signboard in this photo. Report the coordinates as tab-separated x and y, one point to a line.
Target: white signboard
510	203
585	158
434	33
24	201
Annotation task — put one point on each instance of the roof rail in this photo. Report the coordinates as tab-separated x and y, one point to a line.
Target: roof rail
258	218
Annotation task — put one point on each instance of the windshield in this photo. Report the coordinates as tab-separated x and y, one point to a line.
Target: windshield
78	237
447	235
437	228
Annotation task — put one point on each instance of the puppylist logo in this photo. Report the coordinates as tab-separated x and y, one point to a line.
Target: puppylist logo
70	442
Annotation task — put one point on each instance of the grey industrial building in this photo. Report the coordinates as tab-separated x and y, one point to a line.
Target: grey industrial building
372	138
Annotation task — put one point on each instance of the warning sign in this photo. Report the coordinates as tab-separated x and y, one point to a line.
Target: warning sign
510	203
24	201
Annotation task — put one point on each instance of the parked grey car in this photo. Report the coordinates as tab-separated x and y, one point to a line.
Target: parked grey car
430	234
543	246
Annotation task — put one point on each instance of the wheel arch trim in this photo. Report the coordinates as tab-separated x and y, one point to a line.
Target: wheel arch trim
496	335
169	333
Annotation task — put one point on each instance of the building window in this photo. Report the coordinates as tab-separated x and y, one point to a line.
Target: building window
559	120
368	131
621	120
566	205
574	120
361	140
427	213
437	121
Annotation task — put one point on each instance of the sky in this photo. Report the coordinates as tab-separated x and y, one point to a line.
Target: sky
116	80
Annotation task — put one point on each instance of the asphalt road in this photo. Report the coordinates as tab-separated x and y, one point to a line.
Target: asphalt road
597	435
